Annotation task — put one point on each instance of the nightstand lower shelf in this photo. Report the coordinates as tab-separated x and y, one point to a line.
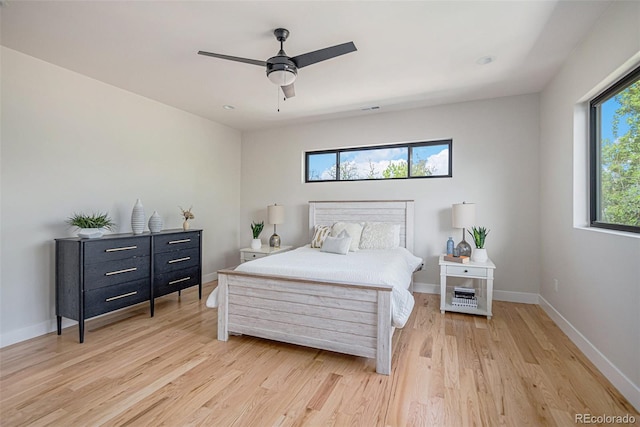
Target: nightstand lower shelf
481	310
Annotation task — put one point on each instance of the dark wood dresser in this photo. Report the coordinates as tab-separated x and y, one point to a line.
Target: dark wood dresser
96	276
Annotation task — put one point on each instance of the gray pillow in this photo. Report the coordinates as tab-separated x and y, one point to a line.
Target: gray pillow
337	245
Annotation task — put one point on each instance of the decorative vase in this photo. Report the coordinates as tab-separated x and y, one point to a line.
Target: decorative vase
185	225
256	244
479	255
155	222
137	218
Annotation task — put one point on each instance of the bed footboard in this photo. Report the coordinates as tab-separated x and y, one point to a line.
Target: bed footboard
346	318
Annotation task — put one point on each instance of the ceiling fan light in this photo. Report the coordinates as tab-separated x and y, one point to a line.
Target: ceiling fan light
282	77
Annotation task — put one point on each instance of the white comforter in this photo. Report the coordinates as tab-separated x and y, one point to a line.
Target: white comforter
374	267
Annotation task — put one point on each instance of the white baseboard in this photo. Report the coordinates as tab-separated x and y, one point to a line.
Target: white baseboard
509	296
620	381
48	326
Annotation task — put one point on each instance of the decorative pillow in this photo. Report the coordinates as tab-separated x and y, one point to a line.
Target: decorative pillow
320	233
337	245
380	235
354	230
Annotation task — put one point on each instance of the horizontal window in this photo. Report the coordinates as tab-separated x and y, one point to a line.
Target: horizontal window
615	156
430	159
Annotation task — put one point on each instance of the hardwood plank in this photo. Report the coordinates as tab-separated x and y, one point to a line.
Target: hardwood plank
447	370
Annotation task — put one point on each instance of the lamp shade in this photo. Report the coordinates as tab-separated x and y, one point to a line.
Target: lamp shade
463	215
275	214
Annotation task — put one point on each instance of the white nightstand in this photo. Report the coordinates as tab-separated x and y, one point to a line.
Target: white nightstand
248	254
480	271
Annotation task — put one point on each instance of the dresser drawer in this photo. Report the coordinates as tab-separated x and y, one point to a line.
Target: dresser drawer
114	249
175	281
111	298
171	261
462	271
176	242
118	271
248	256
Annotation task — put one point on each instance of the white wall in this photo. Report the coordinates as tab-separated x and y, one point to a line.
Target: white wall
598	296
495	165
71	144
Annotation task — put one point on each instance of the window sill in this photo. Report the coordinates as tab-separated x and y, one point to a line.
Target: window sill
608	231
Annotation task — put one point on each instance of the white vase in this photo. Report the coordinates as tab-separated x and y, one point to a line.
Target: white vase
479	255
256	244
137	218
155	222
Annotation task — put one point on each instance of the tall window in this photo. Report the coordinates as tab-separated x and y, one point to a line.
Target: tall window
615	156
430	159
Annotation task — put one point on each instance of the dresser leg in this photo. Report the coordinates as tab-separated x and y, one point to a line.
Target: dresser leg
59	321
81	330
200	291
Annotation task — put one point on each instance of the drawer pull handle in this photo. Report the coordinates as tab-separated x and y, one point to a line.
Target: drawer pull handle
125	248
173	282
121	296
173	242
111	273
187	258
466	271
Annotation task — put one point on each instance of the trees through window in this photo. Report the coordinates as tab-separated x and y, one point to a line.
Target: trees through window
430	159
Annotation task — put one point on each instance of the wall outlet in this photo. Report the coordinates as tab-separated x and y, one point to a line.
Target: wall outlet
555	284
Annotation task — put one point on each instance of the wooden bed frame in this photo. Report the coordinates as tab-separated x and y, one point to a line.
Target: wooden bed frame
347	318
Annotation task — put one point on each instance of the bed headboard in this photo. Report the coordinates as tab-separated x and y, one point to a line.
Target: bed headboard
391	211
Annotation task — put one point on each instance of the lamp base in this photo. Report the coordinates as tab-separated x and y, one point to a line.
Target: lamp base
464	249
274	241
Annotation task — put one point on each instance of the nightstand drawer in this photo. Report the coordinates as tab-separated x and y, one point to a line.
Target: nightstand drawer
111	298
462	271
248	256
113	272
171	261
176	242
114	249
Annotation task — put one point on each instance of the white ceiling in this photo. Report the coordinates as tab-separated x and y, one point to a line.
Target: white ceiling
410	54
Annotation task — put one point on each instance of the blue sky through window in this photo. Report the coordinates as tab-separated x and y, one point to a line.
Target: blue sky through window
371	162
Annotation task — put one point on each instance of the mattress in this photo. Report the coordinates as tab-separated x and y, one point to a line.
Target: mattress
393	267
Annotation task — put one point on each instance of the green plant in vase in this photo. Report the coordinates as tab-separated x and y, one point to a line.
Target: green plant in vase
256	229
91	225
479	235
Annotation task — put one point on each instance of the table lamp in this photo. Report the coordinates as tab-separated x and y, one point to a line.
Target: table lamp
463	215
275	215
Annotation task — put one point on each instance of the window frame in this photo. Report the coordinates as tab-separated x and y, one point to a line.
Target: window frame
407	145
594	151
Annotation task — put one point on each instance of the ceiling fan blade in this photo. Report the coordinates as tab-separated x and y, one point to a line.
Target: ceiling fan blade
234	58
289	91
323	54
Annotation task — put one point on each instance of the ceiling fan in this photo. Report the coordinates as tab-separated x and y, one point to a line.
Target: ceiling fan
282	69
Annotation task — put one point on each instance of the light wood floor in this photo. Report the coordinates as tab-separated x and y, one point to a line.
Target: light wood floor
453	370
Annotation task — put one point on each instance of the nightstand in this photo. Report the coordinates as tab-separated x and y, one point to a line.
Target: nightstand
481	272
248	254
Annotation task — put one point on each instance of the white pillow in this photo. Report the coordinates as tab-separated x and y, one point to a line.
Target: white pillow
337	245
380	235
354	230
320	233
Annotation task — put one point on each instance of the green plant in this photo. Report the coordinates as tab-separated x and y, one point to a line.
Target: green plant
256	229
95	220
479	234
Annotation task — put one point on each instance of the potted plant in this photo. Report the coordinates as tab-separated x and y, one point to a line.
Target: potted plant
187	215
479	235
256	229
91	226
